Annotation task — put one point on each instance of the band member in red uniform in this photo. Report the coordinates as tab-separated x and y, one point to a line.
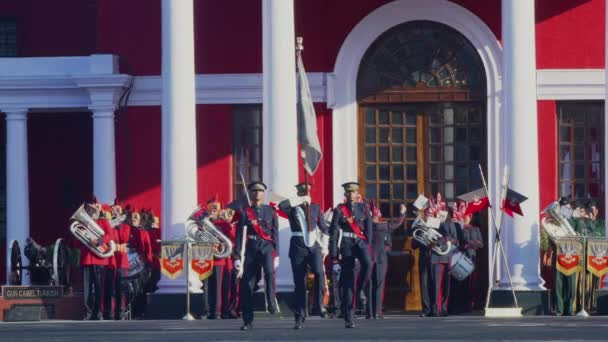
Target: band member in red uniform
93	266
122	260
352	221
381	244
109	282
262	243
155	235
473	242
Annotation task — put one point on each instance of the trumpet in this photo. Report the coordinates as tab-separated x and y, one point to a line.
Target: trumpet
429	236
205	231
86	230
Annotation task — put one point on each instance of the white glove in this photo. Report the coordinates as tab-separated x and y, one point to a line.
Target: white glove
296	201
276	263
237	265
337	268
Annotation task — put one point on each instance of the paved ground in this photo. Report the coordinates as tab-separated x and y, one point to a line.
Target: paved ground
465	328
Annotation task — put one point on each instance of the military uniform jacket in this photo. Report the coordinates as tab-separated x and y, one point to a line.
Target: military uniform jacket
473	240
382	241
316	220
267	219
362	218
586	227
450	233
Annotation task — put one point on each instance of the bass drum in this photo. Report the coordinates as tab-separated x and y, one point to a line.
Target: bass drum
461	266
134	282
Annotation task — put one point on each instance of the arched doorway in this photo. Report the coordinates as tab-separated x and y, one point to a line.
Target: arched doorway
421	92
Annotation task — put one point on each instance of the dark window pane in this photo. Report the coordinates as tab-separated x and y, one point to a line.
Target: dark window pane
383	135
412	191
460	188
435	188
398	172
460	134
461	171
384	172
370	154
474	115
595	171
460	152
370	116
370	135
411	154
435	136
385	191
384	154
564	134
579	152
579	171
435	153
579	190
475	152
412	173
475	133
370	172
371	190
410	118
410	135
579	134
397	154
383	118
398	191
397	135
461	116
397	118
566	190
595	190
565	153
435	171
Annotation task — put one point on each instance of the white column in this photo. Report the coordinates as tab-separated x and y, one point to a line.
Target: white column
104	154
17	184
179	189
280	166
521	234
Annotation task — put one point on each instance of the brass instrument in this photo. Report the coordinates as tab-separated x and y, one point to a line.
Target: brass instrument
429	236
87	231
205	231
555	224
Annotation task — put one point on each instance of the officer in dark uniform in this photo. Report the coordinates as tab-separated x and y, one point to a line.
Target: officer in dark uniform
435	271
262	242
352	225
300	211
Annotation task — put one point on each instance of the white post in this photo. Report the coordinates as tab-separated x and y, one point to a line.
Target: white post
179	185
280	165
17	185
104	154
521	234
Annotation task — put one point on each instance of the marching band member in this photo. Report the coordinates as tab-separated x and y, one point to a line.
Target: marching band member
301	210
122	260
93	266
434	267
155	235
381	244
354	220
262	242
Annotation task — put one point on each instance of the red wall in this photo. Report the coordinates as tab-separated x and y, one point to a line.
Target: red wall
547	151
570	34
138	157
53	28
60	165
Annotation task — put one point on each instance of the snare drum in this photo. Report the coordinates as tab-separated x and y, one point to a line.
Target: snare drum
461	266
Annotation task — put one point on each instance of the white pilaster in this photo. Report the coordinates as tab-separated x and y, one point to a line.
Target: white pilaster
179	194
104	154
521	234
17	184
280	165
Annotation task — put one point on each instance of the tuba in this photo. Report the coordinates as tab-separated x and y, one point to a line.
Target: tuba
428	236
555	224
85	229
309	236
205	231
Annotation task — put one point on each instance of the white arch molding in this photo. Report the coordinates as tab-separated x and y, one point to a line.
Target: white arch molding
342	84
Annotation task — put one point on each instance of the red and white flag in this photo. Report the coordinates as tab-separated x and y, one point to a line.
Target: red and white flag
476	201
511	203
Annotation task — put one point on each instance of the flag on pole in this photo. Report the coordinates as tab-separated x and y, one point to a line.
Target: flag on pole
476	201
307	122
511	203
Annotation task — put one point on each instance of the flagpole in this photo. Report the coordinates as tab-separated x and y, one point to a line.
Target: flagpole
498	242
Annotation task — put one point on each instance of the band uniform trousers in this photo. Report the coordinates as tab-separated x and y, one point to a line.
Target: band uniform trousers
301	258
353	249
565	292
219	285
378	283
93	288
113	292
434	285
258	254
